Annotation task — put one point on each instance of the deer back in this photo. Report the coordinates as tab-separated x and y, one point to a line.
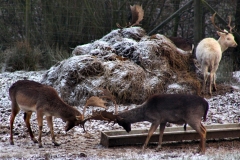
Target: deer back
175	108
33	96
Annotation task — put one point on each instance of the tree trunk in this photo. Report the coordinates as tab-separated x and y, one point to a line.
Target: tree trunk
176	4
197	21
236	55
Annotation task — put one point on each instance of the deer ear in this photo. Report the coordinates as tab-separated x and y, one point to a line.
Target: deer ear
222	33
219	33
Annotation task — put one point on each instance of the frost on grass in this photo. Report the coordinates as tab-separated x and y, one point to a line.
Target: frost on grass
127	62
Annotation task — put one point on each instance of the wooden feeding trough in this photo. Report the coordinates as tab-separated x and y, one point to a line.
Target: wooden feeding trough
171	134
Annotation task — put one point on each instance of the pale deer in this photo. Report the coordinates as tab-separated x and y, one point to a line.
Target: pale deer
160	109
209	53
31	96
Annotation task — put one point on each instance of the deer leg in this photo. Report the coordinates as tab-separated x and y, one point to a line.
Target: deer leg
27	117
201	130
203	139
210	83
214	82
15	110
205	77
50	125
161	130
40	126
150	132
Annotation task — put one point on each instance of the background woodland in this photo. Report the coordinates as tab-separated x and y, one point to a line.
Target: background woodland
35	35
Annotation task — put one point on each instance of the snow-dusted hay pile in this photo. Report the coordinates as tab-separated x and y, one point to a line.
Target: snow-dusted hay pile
130	64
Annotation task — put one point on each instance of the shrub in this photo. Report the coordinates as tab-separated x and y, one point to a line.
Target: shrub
22	57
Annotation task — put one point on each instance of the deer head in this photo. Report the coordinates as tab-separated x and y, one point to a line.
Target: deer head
226	38
109	117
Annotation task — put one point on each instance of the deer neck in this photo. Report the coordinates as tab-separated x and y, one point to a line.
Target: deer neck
66	112
223	46
133	115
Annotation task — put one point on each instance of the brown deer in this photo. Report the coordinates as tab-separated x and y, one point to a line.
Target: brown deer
183	44
209	53
31	96
160	109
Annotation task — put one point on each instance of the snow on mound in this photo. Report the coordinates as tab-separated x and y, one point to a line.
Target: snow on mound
130	64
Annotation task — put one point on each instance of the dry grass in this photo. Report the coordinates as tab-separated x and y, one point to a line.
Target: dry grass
127	62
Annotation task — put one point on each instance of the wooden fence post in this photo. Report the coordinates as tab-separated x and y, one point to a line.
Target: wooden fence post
198	25
27	20
171	17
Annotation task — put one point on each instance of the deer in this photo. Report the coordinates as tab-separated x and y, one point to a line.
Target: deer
159	109
209	53
184	44
31	96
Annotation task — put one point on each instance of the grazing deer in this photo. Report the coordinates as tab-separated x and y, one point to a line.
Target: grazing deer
209	53
160	109
32	96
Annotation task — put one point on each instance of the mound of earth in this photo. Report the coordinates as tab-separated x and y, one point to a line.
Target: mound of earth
127	62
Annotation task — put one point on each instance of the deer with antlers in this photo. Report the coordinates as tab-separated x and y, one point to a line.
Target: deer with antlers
160	109
209	53
31	96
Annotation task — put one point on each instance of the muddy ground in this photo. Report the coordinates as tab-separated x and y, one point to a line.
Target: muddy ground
77	144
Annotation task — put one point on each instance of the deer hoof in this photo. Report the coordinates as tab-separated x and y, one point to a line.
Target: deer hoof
11	142
200	151
159	148
34	140
210	94
141	152
56	144
40	145
214	89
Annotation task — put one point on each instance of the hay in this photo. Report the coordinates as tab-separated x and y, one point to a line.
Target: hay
130	64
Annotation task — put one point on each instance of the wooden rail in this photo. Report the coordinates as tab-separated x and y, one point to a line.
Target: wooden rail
171	134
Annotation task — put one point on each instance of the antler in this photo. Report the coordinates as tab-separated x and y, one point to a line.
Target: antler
229	24
94	101
212	20
137	16
100	115
107	94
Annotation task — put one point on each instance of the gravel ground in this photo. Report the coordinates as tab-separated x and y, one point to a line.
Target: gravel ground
77	144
